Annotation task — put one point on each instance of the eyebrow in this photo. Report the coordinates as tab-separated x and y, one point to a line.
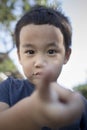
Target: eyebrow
53	44
50	44
27	45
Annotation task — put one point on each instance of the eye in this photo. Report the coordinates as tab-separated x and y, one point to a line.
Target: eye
52	51
30	52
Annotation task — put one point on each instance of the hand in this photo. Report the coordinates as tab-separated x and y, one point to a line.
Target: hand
56	105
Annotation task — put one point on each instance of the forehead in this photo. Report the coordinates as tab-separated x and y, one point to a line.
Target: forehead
43	33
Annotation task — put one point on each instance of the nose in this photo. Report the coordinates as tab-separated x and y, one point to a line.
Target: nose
40	61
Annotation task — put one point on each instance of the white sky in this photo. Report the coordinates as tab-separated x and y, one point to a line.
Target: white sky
75	71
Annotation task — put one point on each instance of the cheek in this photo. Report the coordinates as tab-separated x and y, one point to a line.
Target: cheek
58	71
55	69
27	68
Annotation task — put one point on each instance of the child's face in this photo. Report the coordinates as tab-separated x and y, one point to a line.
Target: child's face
41	46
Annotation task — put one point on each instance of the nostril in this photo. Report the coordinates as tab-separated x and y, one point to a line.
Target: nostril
39	64
40	61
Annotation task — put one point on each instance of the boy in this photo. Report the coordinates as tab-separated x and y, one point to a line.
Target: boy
43	39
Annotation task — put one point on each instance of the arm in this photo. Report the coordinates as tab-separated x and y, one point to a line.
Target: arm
3	106
35	112
50	105
18	117
10	117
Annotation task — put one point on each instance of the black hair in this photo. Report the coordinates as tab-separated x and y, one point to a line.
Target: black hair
39	15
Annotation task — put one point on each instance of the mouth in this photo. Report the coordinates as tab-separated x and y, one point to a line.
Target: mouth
37	75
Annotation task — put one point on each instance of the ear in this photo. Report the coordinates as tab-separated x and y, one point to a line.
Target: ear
67	55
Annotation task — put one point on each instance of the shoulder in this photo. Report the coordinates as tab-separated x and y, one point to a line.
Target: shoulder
83	122
5	84
13	90
11	82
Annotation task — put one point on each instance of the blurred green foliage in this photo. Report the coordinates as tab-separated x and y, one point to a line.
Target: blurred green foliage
82	89
11	10
7	66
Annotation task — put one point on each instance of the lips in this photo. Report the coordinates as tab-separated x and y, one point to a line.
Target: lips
37	74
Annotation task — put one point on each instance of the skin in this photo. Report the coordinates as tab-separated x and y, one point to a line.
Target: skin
42	46
42	55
